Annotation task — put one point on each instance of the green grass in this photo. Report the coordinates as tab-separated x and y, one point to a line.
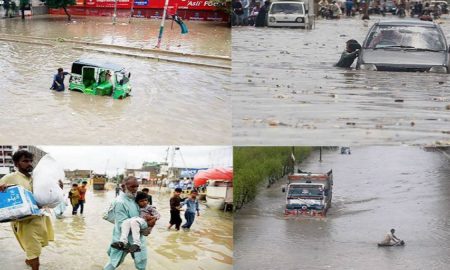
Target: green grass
255	165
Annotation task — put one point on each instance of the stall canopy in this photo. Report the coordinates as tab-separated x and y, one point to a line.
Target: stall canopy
216	174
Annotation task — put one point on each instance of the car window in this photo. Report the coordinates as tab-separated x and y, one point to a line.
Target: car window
414	37
287	8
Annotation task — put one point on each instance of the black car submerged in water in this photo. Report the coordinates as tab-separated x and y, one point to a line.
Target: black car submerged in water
405	46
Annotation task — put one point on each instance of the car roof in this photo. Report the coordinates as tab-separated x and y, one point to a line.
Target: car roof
407	23
99	63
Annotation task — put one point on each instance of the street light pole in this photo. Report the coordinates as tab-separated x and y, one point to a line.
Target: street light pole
115	12
161	28
131	11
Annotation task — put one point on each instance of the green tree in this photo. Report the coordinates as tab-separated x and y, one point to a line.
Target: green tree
60	4
255	165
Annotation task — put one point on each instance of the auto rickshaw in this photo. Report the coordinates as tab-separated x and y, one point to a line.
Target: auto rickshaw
100	78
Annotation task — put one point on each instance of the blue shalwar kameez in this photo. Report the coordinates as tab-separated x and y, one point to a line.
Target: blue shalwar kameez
125	208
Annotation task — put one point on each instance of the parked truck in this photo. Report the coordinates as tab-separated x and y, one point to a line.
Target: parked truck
99	181
308	194
291	13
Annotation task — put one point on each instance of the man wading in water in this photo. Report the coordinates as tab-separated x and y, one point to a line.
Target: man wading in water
175	207
390	239
350	54
35	232
58	80
125	207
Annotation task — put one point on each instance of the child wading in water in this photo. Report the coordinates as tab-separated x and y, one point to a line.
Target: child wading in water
192	207
175	207
74	196
148	216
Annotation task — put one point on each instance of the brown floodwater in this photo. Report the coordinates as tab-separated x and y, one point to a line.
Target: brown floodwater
170	102
375	189
82	241
286	91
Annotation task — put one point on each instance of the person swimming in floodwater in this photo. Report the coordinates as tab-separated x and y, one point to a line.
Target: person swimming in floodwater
349	55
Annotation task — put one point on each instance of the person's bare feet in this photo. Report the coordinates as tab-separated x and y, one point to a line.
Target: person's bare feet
28	262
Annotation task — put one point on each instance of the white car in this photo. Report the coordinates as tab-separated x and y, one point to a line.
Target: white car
287	13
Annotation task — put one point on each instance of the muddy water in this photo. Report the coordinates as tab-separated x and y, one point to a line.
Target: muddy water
169	103
285	89
375	189
140	33
83	241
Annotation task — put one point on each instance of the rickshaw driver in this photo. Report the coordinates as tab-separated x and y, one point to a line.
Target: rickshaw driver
58	80
109	79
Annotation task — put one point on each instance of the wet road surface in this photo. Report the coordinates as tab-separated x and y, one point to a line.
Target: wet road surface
286	91
375	189
170	102
84	240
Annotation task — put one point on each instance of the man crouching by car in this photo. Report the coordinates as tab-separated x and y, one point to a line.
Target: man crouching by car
349	55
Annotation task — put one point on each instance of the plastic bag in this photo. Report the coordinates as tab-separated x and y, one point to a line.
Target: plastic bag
17	203
60	208
109	214
46	189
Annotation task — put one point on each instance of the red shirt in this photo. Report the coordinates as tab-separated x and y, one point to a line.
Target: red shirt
82	191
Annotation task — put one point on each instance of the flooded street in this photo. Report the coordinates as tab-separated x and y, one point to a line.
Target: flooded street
286	91
171	102
375	189
85	240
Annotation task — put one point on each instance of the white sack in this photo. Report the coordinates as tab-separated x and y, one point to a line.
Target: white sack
46	176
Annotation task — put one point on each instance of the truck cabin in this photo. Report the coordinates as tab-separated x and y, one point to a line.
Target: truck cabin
302	191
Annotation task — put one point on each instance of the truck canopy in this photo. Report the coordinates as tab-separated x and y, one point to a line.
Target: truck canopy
310	177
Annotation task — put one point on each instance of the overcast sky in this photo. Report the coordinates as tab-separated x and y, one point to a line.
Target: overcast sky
113	158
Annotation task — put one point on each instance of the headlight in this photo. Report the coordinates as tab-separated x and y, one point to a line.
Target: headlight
299	20
368	67
438	70
272	19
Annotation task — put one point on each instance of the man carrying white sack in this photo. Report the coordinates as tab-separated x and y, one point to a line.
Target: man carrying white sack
35	232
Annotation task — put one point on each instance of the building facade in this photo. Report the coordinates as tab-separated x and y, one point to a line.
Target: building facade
198	10
6	152
77	174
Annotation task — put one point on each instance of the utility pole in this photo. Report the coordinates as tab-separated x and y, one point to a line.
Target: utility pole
131	11
320	154
161	28
115	12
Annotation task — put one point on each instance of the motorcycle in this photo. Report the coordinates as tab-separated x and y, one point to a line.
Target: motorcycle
401	12
436	13
325	12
